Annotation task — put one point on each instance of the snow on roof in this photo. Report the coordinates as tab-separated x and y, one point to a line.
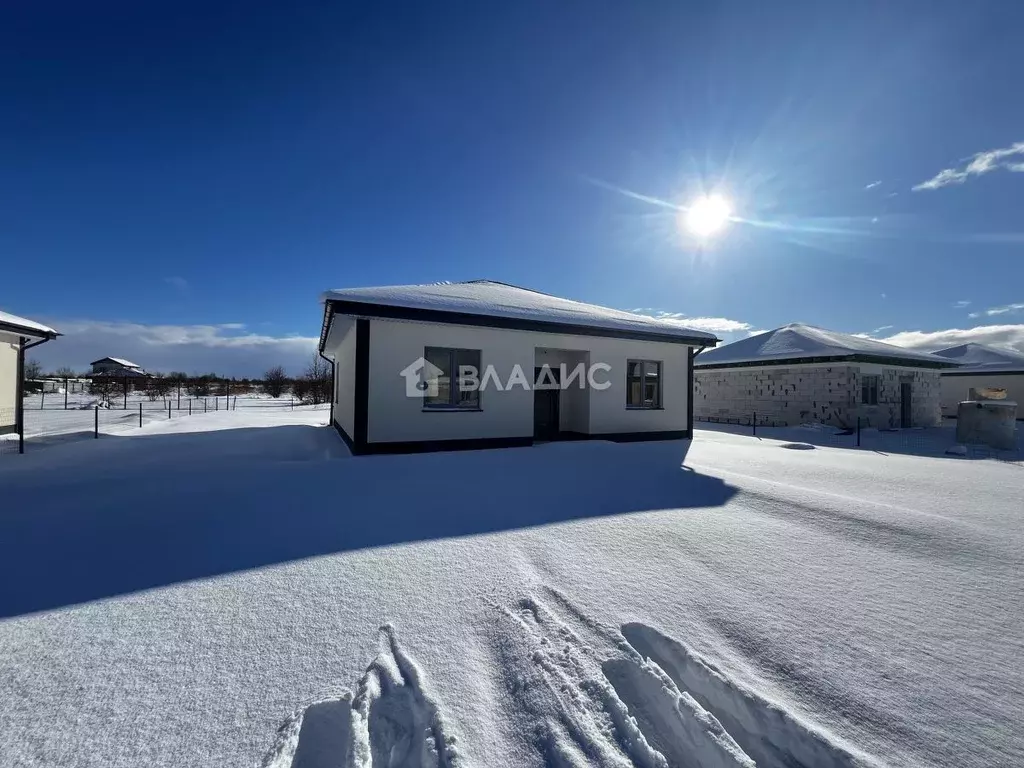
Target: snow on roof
493	299
118	360
796	340
31	327
973	354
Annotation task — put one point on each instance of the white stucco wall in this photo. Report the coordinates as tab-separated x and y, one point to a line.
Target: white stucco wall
341	347
8	380
395	417
957	388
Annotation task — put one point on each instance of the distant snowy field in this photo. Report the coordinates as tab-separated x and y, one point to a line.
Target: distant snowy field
234	590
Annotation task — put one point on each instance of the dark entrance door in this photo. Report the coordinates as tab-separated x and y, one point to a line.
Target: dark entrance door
906	403
545	407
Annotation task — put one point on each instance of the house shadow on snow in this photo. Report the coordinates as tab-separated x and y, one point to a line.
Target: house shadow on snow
125	515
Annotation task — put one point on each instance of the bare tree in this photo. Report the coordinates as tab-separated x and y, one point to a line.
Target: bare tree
33	370
107	388
275	381
64	373
315	384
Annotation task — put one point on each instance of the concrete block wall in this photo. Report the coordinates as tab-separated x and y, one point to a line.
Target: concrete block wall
814	393
791	395
926	397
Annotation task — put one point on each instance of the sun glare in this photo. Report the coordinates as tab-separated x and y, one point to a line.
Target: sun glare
707	215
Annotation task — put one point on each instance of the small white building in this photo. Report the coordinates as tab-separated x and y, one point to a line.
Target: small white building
17	334
981	367
546	368
800	374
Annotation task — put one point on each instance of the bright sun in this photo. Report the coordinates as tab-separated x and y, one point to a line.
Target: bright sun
707	215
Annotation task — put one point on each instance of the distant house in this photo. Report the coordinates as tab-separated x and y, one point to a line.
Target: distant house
116	366
981	366
799	373
17	335
398	355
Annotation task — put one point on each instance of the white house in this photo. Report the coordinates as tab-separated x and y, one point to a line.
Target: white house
17	335
546	368
799	373
981	366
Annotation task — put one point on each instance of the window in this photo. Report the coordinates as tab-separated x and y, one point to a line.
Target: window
869	390
448	393
643	384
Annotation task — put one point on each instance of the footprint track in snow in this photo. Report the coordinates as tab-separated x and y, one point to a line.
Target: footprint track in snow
389	723
633	696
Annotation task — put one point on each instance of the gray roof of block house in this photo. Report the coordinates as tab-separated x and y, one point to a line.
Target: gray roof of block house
798	343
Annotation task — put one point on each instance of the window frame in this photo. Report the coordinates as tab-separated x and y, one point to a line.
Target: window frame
454	404
658	404
870	383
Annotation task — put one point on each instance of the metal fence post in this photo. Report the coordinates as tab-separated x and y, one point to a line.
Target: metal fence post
140	414
42	398
190	406
216	403
168	409
858	431
204	405
755	422
65	393
96	422
126	393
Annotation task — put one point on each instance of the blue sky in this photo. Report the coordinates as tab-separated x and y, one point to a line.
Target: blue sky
181	180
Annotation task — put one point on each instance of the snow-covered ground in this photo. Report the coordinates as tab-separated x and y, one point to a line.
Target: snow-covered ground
234	590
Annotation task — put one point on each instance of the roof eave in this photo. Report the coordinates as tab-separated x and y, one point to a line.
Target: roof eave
448	317
907	362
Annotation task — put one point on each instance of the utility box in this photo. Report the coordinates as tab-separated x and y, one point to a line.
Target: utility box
987	422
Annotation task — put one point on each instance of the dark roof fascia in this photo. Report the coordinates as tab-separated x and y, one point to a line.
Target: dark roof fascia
33	333
1012	371
388	312
852	358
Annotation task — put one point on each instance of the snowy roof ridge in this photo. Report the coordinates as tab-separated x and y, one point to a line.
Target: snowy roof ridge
118	360
507	302
974	353
797	341
24	324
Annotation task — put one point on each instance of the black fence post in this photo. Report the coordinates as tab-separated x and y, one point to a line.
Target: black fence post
96	423
858	431
190	406
234	404
126	393
754	422
140	414
65	393
42	398
216	403
179	395
168	409
204	405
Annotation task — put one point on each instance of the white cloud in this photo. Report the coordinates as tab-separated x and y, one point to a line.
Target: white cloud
978	164
1008	336
225	348
882	328
178	282
961	304
709	324
872	185
1009	308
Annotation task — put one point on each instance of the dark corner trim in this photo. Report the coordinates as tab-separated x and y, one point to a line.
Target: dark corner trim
361	420
639	437
345	437
833	359
366	309
689	392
